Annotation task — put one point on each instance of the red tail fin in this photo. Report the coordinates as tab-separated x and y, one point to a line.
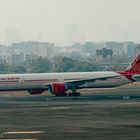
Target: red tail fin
134	67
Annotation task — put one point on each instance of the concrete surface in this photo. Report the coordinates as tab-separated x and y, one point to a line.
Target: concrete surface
89	117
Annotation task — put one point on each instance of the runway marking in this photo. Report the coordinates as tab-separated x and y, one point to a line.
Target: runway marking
131	103
20	133
19	139
61	107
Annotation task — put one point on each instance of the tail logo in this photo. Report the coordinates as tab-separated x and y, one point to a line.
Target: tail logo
134	68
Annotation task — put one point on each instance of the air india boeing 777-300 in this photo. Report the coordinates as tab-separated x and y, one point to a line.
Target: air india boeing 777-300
59	84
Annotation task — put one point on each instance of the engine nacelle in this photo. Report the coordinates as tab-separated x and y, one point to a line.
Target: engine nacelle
58	89
35	91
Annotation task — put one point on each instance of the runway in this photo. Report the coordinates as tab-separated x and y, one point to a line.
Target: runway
103	116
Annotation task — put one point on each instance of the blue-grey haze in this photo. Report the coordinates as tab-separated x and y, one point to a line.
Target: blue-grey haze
66	21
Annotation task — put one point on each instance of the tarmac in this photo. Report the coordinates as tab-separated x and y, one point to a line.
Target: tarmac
98	116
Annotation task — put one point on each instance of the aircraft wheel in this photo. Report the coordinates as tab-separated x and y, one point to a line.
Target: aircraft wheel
61	95
74	94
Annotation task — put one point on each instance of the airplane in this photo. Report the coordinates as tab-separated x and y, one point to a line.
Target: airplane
60	84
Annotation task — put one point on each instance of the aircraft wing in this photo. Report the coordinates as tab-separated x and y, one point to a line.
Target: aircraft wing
77	83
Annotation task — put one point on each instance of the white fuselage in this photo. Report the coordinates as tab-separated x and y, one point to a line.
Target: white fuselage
38	80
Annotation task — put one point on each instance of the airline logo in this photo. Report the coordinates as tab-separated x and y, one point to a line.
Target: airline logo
9	79
134	68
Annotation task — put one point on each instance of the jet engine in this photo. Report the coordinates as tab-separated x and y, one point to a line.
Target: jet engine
58	89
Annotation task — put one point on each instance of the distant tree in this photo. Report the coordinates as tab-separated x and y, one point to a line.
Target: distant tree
41	65
85	66
16	69
3	67
63	64
57	64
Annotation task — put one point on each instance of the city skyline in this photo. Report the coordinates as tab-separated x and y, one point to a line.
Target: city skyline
68	21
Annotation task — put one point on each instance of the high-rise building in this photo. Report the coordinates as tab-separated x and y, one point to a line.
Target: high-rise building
117	47
104	53
43	49
137	50
17	58
129	49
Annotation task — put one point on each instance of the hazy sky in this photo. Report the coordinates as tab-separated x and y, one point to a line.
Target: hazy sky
62	21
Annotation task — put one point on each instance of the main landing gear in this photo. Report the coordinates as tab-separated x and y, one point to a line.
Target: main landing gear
68	94
74	94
